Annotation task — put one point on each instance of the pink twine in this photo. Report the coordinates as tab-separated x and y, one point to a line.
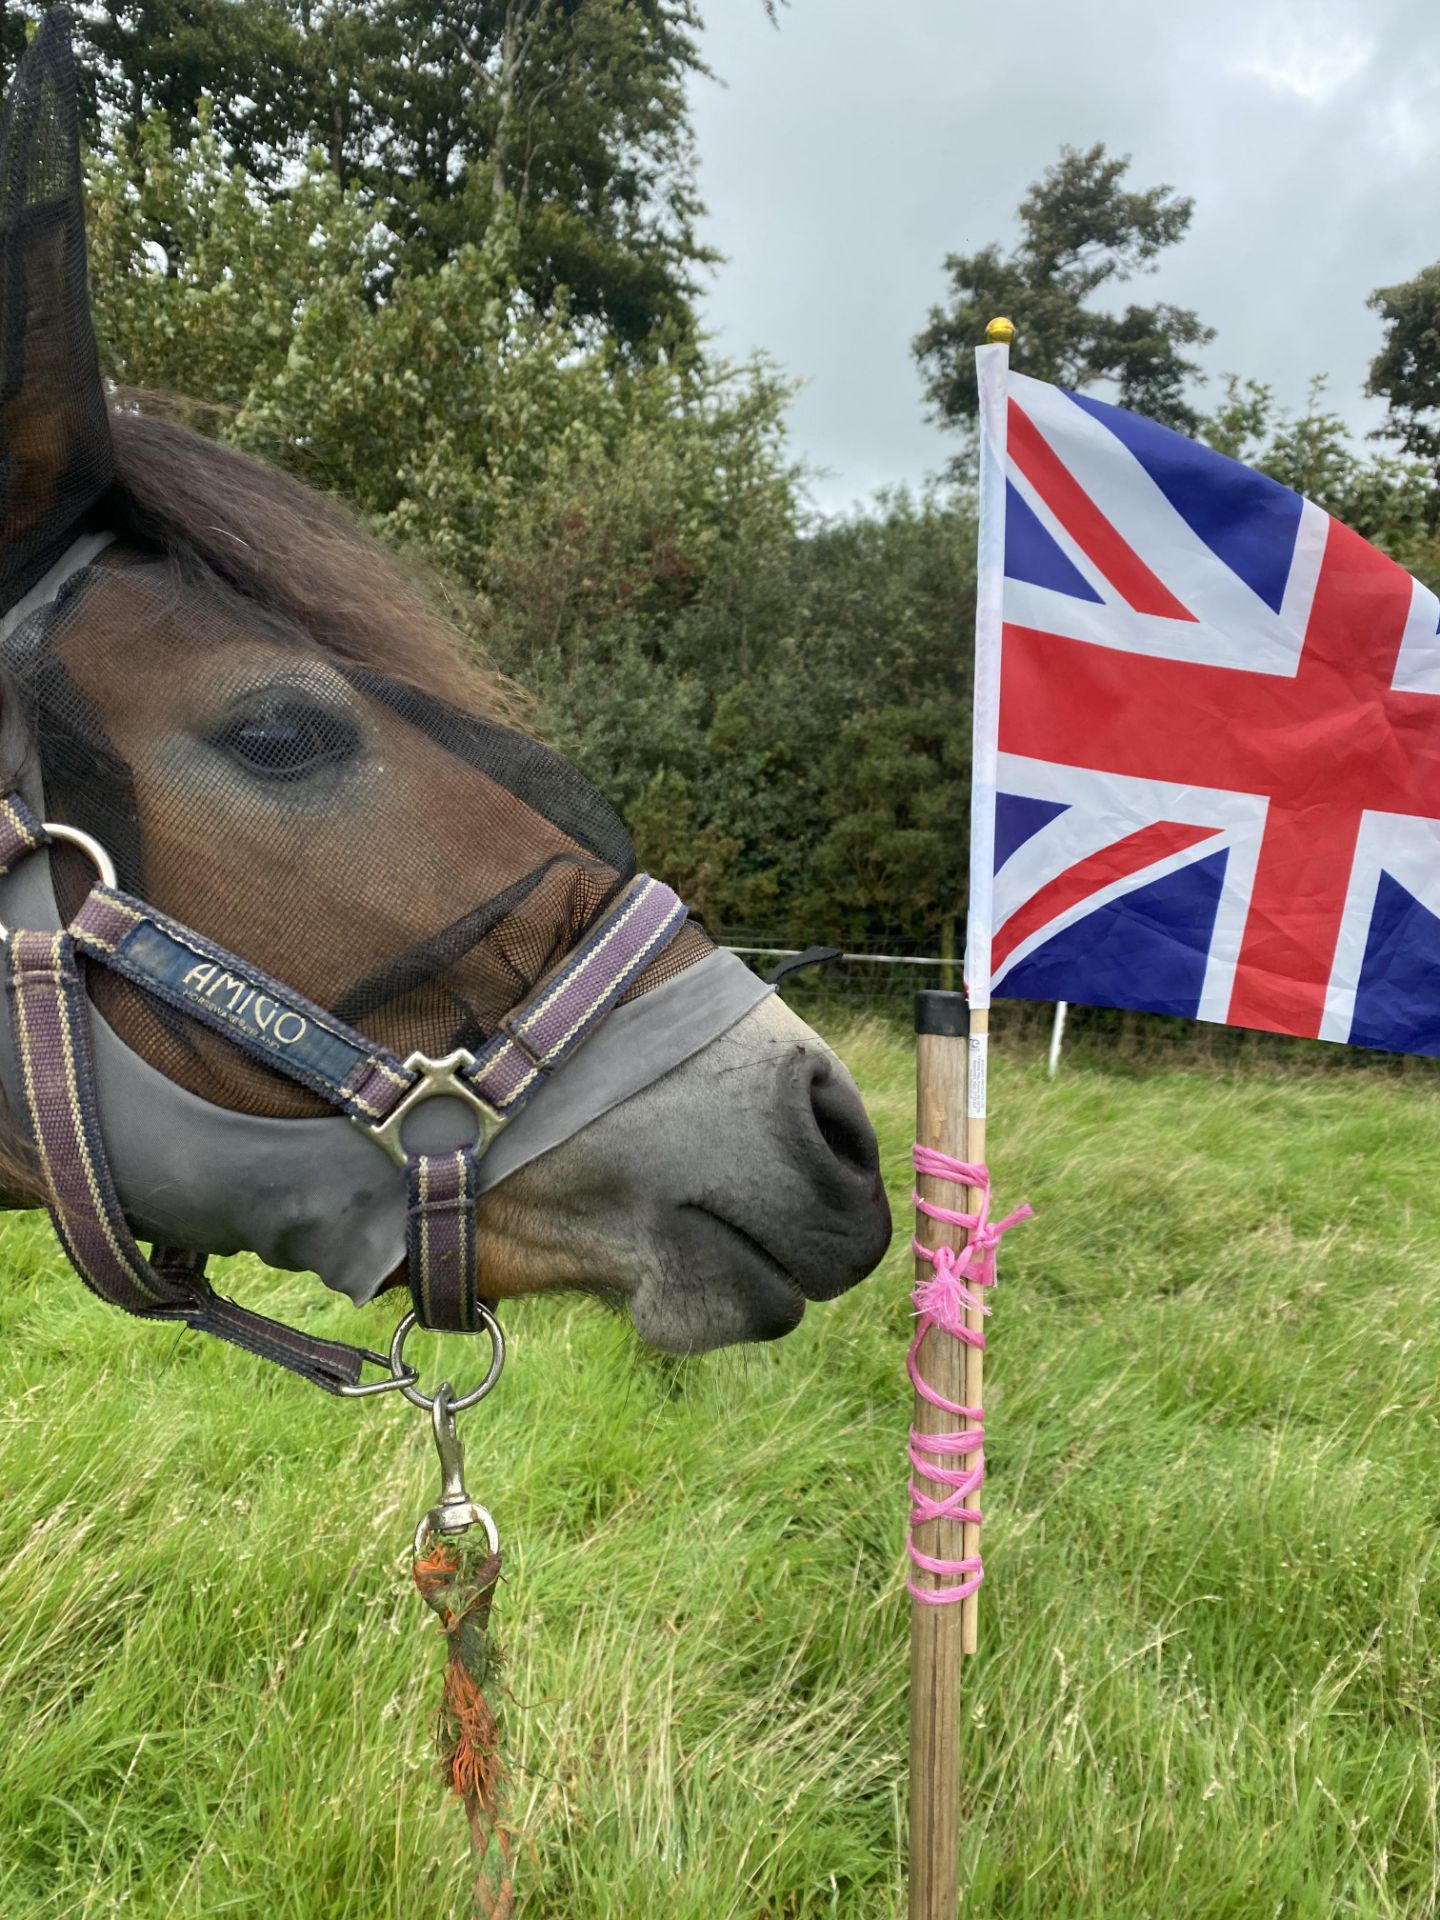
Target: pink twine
941	1301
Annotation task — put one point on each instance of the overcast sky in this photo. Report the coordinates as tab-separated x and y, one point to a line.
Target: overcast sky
848	152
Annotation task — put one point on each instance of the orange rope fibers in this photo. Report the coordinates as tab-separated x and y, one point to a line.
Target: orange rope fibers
459	1584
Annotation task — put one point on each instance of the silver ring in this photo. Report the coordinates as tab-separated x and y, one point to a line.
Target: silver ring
72	836
91	848
404	1375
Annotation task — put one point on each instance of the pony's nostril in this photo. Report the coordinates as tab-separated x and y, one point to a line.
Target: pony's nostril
841	1121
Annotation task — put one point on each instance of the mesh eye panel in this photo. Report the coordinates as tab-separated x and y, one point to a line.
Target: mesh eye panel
414	868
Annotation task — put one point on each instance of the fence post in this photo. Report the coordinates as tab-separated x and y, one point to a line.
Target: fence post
1057	1034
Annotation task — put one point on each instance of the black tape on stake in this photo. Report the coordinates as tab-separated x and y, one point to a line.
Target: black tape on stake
947	1014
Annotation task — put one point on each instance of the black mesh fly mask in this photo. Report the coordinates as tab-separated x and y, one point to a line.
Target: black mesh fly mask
441	998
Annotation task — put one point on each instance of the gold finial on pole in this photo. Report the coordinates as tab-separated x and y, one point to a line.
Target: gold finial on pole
1000	331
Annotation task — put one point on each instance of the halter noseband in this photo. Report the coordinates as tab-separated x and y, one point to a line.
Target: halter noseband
474	1095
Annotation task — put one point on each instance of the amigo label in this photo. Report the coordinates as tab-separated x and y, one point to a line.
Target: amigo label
302	1044
245	1003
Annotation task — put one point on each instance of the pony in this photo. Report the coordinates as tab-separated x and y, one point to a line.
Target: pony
213	671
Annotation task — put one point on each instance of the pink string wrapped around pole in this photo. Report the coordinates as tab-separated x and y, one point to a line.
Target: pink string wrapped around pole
942	1302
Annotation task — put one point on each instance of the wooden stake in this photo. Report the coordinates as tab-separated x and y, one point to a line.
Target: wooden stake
937	1634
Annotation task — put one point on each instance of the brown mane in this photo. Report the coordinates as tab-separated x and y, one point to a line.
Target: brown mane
295	553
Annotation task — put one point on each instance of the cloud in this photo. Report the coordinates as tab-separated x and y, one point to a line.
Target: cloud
850	151
1312	67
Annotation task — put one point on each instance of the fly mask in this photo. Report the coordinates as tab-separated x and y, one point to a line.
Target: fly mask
172	1085
305	942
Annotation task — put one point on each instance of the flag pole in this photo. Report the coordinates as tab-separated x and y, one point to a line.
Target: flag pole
1057	1036
951	1045
992	374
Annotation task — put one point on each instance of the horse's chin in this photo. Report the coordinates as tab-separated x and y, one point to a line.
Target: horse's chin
690	1281
693	1310
716	1286
678	1319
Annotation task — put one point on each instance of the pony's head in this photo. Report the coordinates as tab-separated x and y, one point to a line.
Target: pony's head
281	746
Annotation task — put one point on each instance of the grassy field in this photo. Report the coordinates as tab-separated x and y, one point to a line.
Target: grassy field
1211	1630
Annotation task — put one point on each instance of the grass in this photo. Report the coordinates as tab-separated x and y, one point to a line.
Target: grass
1210	1662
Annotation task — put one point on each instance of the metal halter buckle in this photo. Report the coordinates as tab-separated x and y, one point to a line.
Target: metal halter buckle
439	1079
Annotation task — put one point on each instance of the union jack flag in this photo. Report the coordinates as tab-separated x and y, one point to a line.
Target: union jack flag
1207	737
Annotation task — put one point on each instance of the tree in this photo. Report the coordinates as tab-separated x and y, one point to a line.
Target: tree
894	851
565	119
456	416
701	862
1406	371
1391	500
1082	231
137	61
200	285
804	651
611	529
15	32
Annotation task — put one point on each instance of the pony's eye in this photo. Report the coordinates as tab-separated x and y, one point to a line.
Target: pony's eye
287	739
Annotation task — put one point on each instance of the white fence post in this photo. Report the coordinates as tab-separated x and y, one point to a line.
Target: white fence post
1057	1034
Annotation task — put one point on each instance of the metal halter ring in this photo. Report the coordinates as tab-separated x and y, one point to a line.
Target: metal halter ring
72	836
404	1374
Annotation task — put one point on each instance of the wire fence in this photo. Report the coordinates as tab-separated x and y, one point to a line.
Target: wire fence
883	986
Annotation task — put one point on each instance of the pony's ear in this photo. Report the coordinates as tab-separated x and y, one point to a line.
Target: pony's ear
55	461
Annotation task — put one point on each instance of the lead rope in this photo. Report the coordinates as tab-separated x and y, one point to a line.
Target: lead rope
458	1580
941	1302
456	1567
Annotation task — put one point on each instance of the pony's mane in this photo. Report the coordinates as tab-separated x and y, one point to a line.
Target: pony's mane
296	554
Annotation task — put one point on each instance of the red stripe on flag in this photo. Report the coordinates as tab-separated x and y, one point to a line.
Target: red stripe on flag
1353	748
1086	524
1115	862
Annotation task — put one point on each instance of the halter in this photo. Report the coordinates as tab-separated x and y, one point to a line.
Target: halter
379	1093
433	1118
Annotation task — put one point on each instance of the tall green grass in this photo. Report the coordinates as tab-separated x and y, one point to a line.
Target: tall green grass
1210	1660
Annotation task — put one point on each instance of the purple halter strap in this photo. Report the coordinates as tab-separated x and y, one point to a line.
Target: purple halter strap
287	1032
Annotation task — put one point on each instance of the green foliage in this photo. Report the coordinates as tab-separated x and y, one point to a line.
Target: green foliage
565	122
15	31
653	489
1406	371
1390	500
699	860
202	288
837	755
1082	232
898	789
809	700
791	737
1210	1627
459	418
